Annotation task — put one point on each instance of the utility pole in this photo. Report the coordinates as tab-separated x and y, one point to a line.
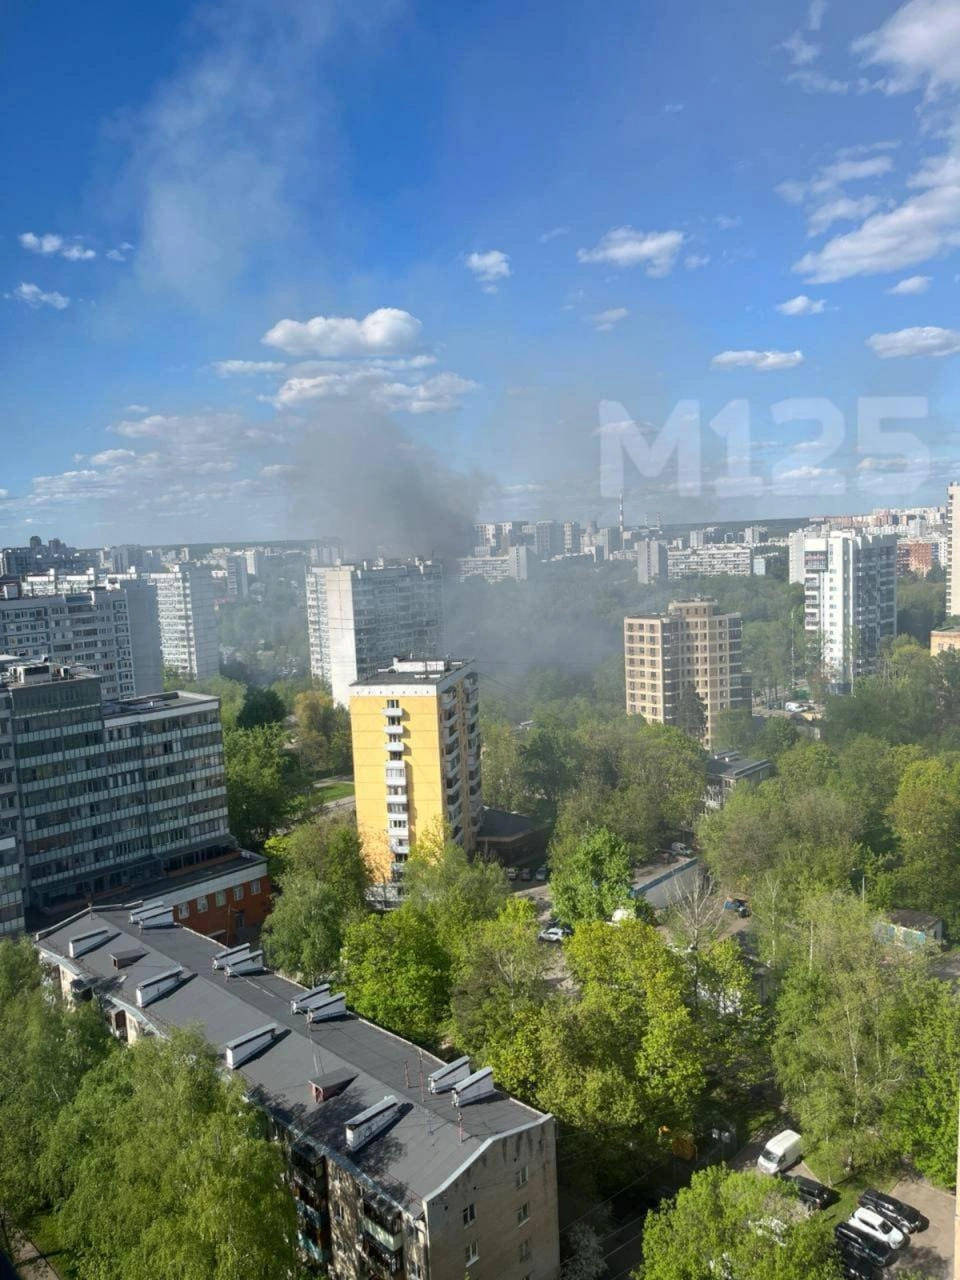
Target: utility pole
956	1210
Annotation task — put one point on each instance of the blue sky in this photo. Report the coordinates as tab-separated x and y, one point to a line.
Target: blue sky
263	264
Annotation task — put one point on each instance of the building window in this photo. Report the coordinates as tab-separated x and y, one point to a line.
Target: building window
237	892
254	886
393	704
525	1251
522	1175
523	1214
201	904
184	910
469	1214
221	898
471	1253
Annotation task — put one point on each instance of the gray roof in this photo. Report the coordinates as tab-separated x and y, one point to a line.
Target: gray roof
410	1161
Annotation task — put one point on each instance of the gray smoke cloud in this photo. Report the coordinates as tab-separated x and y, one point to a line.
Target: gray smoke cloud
360	477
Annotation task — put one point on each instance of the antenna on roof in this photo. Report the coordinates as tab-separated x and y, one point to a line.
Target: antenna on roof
459	1124
406	1073
420	1054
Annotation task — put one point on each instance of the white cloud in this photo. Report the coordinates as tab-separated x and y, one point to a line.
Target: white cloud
883	462
277	470
923	226
656	251
227	368
49	244
137	408
553	234
489	268
435	395
801	305
762	361
34	296
381	332
726	223
119	254
801	50
694	261
920	42
815	14
378	385
921	341
109	457
672	108
805	475
604	321
816	82
911	285
842	209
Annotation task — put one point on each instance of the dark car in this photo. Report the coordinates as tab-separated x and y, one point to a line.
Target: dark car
811	1193
858	1244
854	1268
739	905
903	1216
526	874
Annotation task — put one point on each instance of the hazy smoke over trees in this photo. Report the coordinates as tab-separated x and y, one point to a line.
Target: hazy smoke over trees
359	477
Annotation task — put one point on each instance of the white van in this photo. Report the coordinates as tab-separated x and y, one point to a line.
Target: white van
780	1152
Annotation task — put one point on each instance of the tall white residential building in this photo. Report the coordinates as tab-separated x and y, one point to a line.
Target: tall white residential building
651	560
850	600
362	617
186	600
111	629
710	560
953	548
238	585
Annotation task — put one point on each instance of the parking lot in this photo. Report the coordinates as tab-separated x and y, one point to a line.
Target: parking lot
929	1254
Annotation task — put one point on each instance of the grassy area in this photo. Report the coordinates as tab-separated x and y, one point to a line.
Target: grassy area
44	1230
330	791
850	1188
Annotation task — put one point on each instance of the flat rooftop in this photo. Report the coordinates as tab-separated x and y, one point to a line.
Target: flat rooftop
416	671
410	1161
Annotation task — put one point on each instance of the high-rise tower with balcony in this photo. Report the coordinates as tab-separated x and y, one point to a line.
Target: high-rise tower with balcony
416	761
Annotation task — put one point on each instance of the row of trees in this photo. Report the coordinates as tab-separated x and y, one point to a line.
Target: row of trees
156	1167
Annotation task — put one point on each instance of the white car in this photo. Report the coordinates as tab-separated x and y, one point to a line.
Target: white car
878	1227
553	933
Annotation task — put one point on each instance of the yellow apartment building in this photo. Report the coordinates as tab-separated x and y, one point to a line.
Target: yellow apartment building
691	644
416	761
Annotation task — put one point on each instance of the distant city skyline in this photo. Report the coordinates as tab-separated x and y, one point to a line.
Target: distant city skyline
236	312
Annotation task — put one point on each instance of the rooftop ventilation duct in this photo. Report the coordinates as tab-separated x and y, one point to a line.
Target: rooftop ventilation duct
447	1077
242	1048
363	1127
252	962
329	1085
81	943
159	985
309	999
153	917
327	1007
479	1085
223	958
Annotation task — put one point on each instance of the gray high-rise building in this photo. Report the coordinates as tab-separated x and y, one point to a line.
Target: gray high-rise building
112	629
186	601
953	549
101	794
651	560
362	617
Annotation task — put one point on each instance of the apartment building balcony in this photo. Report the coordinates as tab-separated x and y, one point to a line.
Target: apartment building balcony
395	775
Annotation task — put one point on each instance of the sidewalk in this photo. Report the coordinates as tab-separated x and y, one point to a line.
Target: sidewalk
30	1264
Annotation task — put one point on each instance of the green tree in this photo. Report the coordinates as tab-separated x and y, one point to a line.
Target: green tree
451	892
925	1108
396	973
692	712
323	881
926	819
323	732
589	877
45	1050
736	1224
260	706
499	990
502	787
844	1018
621	1061
201	1186
261	786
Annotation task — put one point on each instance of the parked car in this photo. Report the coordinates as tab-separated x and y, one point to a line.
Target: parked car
511	873
739	905
866	1247
811	1193
780	1152
552	933
683	849
540	873
901	1214
877	1226
526	874
854	1268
